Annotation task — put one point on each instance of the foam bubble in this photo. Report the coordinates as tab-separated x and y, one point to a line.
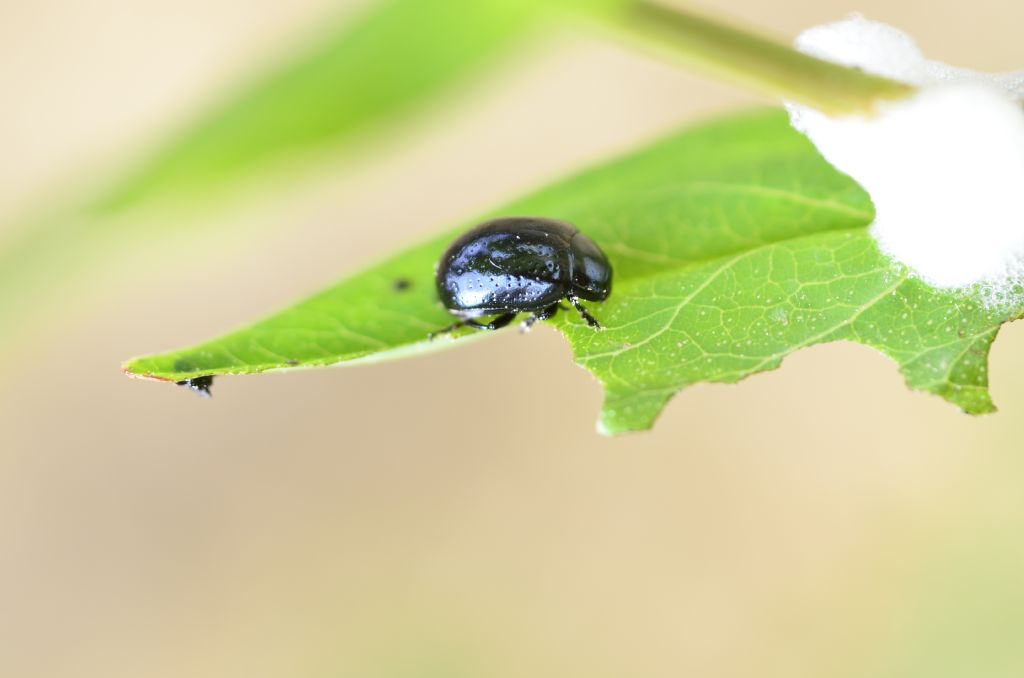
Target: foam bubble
944	168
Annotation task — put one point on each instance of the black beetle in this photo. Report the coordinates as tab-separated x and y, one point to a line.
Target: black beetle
515	265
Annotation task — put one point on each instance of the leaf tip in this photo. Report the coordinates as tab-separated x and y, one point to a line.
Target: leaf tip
132	370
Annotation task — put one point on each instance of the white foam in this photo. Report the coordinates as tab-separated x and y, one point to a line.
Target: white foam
944	168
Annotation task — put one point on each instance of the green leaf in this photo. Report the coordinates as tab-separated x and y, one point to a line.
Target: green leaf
388	62
359	77
734	244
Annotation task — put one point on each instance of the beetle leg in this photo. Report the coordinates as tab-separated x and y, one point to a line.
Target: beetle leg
549	311
591	320
446	330
495	324
542	315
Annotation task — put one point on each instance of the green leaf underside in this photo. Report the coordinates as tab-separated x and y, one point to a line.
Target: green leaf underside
734	244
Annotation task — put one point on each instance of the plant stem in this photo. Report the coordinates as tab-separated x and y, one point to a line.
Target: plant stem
759	62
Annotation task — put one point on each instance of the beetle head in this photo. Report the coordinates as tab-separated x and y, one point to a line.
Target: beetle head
591	271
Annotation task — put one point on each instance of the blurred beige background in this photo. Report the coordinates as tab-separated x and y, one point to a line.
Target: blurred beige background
456	515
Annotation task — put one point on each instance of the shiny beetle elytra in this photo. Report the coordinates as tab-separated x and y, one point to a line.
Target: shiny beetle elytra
519	265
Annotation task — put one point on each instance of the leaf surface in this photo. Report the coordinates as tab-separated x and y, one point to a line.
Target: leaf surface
359	80
734	244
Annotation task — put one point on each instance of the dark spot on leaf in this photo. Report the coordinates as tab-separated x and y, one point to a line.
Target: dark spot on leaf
200	385
401	284
291	362
182	365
